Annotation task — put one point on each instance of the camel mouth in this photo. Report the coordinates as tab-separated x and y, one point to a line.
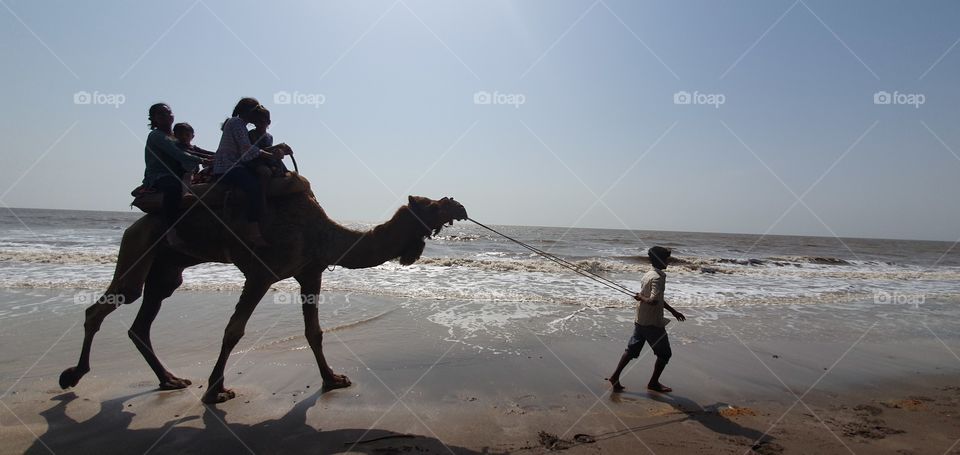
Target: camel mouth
435	215
451	211
459	215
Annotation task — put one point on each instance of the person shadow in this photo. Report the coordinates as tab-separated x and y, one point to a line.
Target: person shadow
109	432
710	416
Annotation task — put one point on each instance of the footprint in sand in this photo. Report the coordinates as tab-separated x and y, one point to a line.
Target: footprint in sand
909	404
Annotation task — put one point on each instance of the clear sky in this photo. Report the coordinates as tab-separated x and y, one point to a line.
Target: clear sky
586	123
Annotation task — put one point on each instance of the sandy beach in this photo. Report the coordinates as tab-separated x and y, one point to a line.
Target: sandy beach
826	380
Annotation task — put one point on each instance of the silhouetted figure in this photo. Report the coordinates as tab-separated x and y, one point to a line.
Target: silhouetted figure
261	121
184	133
234	151
650	323
261	138
165	165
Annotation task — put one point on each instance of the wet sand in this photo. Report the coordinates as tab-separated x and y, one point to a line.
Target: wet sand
881	382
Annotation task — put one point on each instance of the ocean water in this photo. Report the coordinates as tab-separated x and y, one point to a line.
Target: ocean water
478	286
77	249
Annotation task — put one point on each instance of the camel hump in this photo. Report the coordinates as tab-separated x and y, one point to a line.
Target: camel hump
214	195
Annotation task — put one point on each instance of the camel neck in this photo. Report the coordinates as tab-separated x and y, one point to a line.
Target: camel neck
362	249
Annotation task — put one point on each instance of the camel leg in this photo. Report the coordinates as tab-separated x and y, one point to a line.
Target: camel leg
133	263
161	282
310	296
253	291
95	315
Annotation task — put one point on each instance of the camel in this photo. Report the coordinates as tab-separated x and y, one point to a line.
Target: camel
303	240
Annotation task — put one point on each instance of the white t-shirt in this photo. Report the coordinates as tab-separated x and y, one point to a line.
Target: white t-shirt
652	286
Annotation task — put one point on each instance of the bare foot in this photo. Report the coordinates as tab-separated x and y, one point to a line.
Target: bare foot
659	388
171	382
338	381
218	396
70	377
617	387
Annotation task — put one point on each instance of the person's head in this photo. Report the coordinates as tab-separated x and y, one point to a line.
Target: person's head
245	107
260	117
183	132
659	257
160	116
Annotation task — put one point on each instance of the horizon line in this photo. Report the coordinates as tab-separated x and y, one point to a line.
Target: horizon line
588	227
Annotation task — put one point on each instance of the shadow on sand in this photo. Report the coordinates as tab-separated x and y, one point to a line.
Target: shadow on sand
109	432
709	416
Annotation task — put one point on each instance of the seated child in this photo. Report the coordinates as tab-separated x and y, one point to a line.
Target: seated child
259	137
185	134
261	121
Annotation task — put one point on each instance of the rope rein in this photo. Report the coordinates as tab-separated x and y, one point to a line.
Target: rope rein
562	262
295	168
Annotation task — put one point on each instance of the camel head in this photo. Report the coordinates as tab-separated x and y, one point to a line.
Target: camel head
432	216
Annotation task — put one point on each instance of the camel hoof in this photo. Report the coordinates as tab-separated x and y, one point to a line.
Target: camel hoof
340	381
70	377
218	397
174	383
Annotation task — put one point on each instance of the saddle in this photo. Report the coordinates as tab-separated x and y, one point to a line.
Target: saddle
214	194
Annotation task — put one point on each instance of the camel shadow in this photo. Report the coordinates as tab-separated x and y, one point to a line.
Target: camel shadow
709	416
109	432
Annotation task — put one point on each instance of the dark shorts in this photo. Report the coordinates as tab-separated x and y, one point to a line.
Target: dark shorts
656	336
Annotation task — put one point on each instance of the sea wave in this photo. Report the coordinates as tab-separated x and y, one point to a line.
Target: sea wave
63	257
797	266
570	292
825	267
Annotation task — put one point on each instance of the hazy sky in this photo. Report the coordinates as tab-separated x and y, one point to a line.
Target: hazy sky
582	128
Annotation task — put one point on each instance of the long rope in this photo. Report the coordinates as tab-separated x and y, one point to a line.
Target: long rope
295	168
562	262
